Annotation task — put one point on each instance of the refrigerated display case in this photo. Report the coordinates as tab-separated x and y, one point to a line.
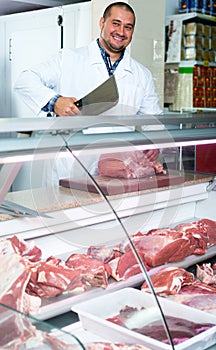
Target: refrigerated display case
61	205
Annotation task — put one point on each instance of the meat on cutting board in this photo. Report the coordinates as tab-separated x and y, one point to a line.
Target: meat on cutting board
128	165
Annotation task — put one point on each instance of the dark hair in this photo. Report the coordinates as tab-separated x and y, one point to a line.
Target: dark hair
124	5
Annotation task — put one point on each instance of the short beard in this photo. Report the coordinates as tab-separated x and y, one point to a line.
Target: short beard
109	47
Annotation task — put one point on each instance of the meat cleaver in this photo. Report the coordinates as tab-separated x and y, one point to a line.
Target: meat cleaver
104	97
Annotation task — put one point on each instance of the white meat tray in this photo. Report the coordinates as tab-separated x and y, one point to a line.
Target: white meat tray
93	314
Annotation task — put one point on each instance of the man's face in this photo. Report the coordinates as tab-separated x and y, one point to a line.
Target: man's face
117	30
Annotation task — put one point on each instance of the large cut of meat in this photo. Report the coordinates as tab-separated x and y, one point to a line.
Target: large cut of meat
161	249
126	265
128	165
162	245
149	323
53	277
93	272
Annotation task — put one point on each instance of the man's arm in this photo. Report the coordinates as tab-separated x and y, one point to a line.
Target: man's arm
39	84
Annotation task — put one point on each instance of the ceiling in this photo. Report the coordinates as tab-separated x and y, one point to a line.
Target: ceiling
14	6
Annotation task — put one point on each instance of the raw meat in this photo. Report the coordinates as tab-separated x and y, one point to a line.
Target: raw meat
197	295
160	246
129	165
81	271
27	250
169	280
206	273
148	322
202	234
53	277
15	275
161	249
102	253
181	286
126	266
93	272
208	230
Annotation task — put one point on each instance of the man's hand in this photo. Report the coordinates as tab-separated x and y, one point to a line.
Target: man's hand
65	107
151	154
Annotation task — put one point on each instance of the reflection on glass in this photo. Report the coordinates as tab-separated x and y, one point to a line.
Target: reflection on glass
19	331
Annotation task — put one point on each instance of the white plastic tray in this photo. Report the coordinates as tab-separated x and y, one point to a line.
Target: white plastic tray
93	314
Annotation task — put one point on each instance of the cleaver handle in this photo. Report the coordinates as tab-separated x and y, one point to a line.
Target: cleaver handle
78	103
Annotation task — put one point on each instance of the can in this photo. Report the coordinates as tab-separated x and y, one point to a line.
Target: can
184	6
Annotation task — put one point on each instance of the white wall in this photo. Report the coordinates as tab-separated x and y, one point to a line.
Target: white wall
171	7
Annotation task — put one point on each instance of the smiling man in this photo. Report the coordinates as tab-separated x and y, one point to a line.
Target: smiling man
55	85
117	27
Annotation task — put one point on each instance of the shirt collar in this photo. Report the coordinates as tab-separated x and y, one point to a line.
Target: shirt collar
96	58
111	66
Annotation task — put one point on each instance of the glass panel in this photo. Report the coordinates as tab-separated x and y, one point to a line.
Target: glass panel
18	331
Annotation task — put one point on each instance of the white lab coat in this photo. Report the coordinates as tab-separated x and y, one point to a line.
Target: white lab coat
76	72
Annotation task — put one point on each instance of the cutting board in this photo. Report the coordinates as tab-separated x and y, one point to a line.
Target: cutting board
113	186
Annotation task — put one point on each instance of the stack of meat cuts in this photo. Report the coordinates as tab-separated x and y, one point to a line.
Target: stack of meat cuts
182	286
128	165
26	279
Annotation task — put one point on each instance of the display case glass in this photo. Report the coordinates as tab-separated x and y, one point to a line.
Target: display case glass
21	331
58	206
